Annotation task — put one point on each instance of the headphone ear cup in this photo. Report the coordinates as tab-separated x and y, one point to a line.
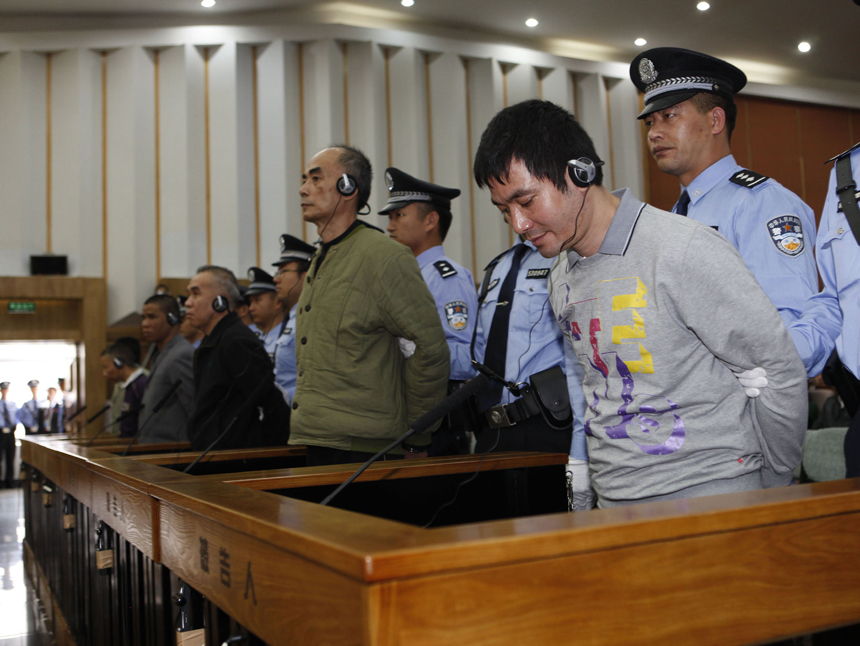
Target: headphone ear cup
220	304
118	363
172	319
583	171
346	185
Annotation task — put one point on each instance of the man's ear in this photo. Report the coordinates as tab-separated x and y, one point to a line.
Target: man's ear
718	120
431	221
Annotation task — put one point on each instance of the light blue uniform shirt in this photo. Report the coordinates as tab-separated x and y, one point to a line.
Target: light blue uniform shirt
285	357
10	409
535	341
833	316
457	304
755	220
270	340
28	414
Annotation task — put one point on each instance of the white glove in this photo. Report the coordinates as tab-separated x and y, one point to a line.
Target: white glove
580	495
407	347
752	381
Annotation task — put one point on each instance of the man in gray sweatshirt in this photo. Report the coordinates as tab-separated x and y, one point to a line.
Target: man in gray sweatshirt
663	316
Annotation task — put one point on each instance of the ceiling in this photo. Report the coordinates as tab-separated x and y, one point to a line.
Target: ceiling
756	34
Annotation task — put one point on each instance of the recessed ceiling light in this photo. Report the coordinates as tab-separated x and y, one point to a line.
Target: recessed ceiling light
208	3
639	42
407	3
531	22
804	46
703	6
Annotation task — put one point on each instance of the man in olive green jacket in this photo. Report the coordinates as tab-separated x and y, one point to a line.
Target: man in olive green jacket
364	309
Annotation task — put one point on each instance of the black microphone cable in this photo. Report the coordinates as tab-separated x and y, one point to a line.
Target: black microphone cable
161	404
119	419
420	425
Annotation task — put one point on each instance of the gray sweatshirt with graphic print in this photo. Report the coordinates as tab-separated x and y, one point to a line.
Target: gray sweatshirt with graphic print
661	319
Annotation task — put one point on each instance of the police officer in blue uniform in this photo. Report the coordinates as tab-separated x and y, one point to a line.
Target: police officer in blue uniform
831	319
292	267
419	216
690	114
516	329
264	308
32	413
8	422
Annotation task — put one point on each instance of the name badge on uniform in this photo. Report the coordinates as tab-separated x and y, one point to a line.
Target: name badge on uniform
786	232
457	314
538	273
492	284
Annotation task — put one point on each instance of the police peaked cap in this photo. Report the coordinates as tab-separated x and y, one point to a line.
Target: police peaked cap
4	385
261	282
294	250
670	75
33	383
404	189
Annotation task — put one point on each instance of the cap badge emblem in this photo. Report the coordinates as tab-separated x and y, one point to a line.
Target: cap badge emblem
251	275
283	244
647	71
389	181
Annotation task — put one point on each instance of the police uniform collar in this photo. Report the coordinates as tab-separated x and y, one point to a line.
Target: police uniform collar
433	253
710	177
403	189
671	75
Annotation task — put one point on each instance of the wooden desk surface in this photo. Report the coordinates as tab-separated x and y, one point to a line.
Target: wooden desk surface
733	569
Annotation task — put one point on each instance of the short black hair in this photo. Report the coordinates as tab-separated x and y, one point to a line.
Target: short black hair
355	163
445	217
133	346
704	102
540	134
166	302
124	352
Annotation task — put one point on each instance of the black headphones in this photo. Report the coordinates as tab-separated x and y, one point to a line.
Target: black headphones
346	185
582	171
172	319
220	304
119	363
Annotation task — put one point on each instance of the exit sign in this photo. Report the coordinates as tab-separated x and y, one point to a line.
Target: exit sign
21	307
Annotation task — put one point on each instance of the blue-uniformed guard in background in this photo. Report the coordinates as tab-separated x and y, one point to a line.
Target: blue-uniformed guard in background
264	308
419	216
690	114
292	267
8	422
32	413
831	319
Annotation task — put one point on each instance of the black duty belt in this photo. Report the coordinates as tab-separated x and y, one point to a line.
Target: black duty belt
506	415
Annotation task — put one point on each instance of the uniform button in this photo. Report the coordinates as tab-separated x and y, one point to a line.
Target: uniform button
304	340
840	230
301	373
308	307
531	289
295	405
697	192
308	280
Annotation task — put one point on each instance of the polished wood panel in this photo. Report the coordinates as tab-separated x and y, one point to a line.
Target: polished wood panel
166	459
392	470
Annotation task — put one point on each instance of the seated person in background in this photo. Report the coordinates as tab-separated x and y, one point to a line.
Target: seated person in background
32	414
188	331
236	403
661	313
292	267
170	364
132	382
265	309
54	412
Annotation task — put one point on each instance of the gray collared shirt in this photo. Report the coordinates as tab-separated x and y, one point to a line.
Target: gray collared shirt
617	238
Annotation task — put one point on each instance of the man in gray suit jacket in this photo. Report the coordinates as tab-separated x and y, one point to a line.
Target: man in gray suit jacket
171	365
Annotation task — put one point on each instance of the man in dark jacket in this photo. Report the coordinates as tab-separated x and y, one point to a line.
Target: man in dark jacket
233	375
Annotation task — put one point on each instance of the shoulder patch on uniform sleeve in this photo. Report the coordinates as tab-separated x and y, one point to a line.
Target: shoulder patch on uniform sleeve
748	178
786	232
537	273
457	314
445	268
